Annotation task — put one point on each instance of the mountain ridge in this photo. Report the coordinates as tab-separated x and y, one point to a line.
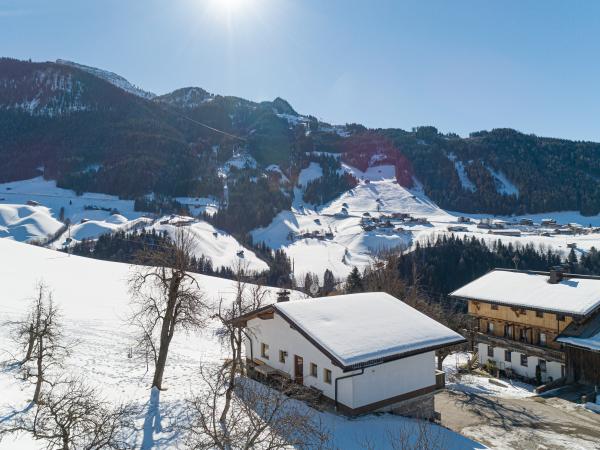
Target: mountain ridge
68	117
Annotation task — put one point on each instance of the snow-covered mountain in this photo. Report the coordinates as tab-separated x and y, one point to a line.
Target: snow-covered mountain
186	98
111	77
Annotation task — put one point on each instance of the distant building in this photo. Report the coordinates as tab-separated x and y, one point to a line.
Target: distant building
457	228
363	352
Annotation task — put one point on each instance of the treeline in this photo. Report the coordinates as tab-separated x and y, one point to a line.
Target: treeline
331	184
550	174
130	247
436	268
253	202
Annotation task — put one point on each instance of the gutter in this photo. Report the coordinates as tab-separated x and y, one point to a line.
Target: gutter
362	371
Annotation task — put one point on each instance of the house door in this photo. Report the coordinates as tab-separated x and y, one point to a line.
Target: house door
298	369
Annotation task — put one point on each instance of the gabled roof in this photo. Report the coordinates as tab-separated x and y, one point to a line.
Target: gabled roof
360	329
575	294
584	335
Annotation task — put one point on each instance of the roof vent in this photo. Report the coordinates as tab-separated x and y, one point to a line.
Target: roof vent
556	275
283	296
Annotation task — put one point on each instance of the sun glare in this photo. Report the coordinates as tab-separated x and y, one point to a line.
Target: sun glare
229	8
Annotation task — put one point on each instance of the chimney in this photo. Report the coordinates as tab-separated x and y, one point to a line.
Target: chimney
556	275
283	296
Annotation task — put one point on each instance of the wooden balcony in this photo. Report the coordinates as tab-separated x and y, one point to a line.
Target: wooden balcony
546	353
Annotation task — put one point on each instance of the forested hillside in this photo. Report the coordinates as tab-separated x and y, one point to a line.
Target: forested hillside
91	135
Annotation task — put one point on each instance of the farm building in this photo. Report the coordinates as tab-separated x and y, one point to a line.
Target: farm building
362	352
524	318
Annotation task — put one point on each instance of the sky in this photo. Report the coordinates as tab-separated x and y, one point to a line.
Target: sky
461	66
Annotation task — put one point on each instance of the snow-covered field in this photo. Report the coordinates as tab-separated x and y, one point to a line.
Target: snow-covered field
338	242
92	215
94	300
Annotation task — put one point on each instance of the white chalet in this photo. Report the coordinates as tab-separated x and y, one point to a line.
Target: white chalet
362	352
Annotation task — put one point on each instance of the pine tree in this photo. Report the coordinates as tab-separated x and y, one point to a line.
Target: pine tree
354	282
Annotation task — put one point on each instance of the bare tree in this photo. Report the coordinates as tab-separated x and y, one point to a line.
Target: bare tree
166	297
40	337
232	412
258	416
70	415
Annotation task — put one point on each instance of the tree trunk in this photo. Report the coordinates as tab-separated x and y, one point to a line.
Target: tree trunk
29	345
166	331
440	361
40	374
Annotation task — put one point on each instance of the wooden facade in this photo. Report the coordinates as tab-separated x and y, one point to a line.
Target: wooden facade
528	326
583	366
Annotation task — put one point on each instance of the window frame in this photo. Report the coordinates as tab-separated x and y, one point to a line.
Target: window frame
264	350
507	356
490	351
524	359
282	356
314	370
327	376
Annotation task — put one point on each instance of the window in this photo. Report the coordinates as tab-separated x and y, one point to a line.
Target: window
542	363
494	307
560	317
490	351
524	360
282	355
327	376
313	370
539	314
508	331
522	311
543	339
264	350
490	327
507	355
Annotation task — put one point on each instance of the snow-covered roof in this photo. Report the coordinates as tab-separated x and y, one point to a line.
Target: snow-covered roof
360	328
572	295
585	334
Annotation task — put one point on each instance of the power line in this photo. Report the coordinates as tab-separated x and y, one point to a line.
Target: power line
216	130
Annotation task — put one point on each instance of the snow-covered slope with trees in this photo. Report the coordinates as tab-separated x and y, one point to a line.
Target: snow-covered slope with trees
93	297
111	77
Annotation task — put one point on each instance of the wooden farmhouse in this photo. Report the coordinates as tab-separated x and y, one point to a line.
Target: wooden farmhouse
540	326
362	352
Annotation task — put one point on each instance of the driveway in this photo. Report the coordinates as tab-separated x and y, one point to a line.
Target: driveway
530	423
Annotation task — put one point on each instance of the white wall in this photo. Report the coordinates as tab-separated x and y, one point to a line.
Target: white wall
553	368
393	378
278	334
377	383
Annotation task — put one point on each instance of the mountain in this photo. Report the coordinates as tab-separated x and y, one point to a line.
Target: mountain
111	77
92	130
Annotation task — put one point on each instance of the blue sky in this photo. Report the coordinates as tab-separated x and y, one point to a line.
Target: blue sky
458	65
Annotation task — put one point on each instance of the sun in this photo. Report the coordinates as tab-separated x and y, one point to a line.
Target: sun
229	8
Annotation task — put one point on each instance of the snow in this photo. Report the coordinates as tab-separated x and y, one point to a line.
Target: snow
26	223
474	383
217	245
373	173
112	78
313	172
503	184
200	205
357	328
577	296
465	182
591	343
94	299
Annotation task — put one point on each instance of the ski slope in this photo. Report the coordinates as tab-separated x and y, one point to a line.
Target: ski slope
94	299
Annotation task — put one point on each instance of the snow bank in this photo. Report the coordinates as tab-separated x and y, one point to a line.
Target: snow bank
25	223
